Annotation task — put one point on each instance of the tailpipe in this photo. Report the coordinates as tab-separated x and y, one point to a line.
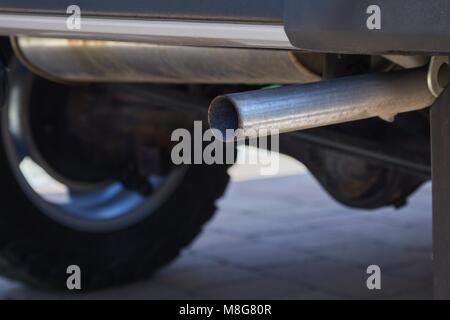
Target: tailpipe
299	107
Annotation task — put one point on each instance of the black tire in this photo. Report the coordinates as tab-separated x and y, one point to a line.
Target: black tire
37	250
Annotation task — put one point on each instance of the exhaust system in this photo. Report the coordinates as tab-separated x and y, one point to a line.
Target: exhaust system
299	107
77	60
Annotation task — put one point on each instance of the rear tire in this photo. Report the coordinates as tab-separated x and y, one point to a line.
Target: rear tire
37	249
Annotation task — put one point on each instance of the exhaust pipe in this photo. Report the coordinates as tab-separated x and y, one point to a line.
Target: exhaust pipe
299	107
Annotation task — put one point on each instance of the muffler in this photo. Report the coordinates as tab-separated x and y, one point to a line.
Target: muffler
299	107
77	60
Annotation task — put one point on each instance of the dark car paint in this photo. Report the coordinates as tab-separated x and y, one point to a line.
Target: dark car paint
236	10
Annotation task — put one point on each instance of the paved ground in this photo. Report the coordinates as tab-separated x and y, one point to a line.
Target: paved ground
284	238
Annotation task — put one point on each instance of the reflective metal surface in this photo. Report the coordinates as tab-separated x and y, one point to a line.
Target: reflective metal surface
408	62
72	60
204	33
312	105
438	74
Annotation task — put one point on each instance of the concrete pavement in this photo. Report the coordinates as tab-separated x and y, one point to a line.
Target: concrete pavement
285	238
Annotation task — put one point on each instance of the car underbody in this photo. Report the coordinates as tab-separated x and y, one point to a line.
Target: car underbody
100	100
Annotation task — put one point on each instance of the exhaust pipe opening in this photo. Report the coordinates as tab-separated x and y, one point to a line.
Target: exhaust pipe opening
222	116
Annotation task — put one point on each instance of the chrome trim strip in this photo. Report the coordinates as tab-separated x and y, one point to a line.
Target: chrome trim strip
203	33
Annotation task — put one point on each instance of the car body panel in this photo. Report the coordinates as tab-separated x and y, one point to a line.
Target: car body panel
236	10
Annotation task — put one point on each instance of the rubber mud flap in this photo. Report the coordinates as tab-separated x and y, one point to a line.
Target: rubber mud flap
348	26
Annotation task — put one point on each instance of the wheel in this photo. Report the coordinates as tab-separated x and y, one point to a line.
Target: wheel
53	216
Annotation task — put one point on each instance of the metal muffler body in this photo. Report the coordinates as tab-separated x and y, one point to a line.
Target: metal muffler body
75	60
298	107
